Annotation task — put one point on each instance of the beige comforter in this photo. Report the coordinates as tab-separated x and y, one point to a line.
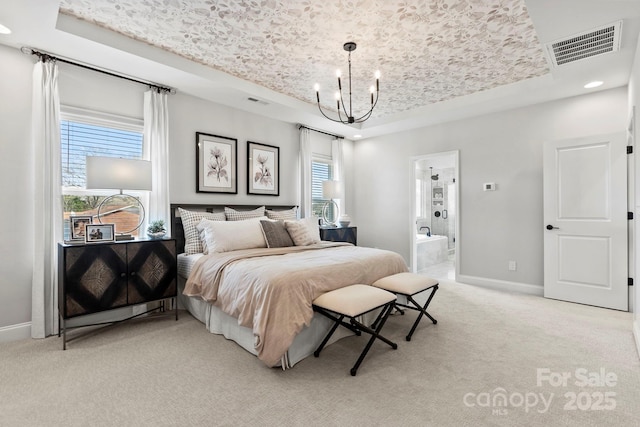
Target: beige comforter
271	290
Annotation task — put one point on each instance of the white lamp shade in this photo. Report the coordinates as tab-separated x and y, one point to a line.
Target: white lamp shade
120	174
331	190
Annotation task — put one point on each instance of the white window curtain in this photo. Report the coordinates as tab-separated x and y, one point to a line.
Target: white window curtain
304	168
338	172
47	206
156	149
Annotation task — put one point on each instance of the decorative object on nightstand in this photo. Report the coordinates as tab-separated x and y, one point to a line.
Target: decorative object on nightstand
156	229
344	220
98	277
112	173
331	190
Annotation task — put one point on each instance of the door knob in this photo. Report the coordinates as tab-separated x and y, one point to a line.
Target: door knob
551	227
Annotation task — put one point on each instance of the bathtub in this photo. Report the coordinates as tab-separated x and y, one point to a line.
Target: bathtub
431	250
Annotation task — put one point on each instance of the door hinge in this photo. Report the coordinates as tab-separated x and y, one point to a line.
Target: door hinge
629	215
629	149
630	281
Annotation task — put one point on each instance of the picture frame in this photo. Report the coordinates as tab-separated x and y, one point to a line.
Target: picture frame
263	169
216	164
77	226
97	233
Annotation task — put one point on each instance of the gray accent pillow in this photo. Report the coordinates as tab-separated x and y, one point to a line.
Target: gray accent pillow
276	234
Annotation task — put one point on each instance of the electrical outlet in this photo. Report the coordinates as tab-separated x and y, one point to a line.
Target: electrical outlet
513	266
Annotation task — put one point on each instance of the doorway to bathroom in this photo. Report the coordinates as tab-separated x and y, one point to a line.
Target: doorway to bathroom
434	222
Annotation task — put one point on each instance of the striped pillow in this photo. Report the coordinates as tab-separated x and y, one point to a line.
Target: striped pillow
283	215
234	215
190	220
304	231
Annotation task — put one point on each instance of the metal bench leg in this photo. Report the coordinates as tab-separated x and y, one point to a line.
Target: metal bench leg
338	322
422	310
374	334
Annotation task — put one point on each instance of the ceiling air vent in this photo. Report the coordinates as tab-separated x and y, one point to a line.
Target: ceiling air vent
585	45
256	100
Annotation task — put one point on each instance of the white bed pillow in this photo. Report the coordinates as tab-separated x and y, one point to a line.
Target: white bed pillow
225	236
190	220
304	231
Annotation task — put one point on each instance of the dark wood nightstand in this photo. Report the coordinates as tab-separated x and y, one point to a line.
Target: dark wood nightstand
340	234
103	276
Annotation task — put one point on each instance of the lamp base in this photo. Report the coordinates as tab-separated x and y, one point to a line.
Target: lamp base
327	218
123	237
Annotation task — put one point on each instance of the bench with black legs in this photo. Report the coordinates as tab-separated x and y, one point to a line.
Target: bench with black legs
351	302
409	285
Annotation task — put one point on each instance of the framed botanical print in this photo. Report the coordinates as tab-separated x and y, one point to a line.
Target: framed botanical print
216	164
263	169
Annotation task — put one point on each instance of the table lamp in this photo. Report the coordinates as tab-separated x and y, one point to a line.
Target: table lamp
112	173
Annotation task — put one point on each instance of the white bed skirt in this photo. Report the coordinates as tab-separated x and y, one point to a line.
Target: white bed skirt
218	322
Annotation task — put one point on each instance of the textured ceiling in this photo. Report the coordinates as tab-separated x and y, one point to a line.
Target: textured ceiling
426	50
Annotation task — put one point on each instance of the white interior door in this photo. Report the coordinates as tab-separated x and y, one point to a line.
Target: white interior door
585	214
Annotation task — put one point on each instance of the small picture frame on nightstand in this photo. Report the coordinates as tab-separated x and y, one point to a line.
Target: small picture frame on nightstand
97	233
77	225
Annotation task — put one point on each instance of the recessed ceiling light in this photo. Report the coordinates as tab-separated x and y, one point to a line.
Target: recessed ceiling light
593	84
4	30
357	136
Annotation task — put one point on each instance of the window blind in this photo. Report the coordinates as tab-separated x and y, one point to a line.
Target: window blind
78	140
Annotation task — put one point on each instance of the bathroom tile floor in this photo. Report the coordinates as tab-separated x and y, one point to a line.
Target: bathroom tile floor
444	270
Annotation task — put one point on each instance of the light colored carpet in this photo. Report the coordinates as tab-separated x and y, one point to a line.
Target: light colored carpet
486	345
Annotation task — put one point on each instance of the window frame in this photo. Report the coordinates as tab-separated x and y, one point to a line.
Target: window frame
318	203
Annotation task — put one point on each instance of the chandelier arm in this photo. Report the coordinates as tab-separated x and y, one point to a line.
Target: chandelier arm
366	115
333	120
342	102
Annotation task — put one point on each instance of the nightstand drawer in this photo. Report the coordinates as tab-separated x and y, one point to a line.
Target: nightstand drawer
340	234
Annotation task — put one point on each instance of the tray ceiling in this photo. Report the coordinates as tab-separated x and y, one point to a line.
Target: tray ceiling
427	51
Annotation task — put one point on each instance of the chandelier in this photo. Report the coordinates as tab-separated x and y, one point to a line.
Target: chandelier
349	118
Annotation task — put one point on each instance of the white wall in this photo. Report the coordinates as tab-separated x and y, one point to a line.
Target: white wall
189	115
16	209
634	101
505	148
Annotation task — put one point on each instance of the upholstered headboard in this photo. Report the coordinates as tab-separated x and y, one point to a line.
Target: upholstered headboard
177	232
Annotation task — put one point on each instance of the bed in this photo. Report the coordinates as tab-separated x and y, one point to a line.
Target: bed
261	297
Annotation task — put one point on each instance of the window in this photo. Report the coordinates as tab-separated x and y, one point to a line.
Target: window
85	133
321	170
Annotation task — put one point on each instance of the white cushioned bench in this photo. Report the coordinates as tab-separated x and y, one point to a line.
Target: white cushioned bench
352	302
408	285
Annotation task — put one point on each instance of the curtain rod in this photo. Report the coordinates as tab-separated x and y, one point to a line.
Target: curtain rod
47	56
319	131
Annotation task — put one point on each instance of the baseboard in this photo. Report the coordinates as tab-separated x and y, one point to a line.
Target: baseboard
636	334
501	285
17	332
